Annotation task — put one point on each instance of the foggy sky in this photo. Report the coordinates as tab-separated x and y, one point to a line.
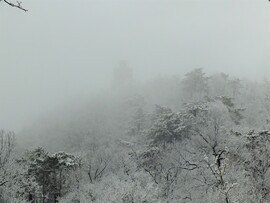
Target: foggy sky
62	50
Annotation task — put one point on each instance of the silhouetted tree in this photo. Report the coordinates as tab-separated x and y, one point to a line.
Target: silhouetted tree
195	84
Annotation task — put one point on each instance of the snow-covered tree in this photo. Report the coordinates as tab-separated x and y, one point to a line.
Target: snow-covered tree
195	85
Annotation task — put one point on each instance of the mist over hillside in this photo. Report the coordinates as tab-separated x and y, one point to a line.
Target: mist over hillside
134	101
59	52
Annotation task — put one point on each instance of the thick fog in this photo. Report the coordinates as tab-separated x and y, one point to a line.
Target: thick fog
134	101
62	51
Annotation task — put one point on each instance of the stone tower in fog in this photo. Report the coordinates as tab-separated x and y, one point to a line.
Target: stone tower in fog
122	78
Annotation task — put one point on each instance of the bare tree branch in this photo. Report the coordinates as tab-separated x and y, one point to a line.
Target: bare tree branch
17	5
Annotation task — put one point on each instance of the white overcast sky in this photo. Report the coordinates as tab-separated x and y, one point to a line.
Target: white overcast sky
63	49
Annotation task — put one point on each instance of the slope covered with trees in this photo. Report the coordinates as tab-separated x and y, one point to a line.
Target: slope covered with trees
196	138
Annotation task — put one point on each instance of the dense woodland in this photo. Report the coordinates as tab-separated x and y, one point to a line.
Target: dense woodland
189	138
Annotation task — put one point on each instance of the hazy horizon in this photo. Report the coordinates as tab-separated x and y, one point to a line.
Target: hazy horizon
59	51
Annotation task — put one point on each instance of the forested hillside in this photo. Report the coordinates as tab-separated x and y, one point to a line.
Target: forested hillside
188	138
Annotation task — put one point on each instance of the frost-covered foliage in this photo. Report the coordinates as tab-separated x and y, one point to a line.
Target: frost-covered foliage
169	126
6	152
7	164
44	175
66	160
257	162
193	119
197	139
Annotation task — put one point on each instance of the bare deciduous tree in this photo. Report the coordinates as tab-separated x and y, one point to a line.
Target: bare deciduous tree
96	171
6	148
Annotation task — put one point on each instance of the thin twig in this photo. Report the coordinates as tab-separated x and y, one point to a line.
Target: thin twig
18	5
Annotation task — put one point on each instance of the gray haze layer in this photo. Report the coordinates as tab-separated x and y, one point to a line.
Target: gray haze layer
63	50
